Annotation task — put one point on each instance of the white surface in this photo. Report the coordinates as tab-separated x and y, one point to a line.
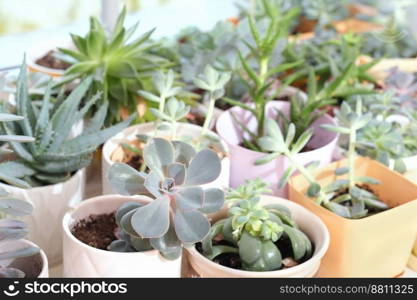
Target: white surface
168	17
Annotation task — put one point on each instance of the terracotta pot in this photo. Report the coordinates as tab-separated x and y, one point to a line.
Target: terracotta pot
375	246
41	49
35	266
129	134
81	260
50	203
242	159
309	224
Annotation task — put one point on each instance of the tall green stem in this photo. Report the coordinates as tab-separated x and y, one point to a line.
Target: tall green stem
209	116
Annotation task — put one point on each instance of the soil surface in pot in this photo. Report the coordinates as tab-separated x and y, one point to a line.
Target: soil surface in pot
97	231
50	61
371	210
196	118
232	260
126	154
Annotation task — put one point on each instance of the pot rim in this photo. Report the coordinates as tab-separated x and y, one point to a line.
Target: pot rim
333	215
68	216
108	145
311	152
317	256
46	45
36	188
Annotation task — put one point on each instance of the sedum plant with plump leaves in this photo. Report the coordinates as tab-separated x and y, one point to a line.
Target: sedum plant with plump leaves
54	154
346	197
258	234
119	64
175	217
10	208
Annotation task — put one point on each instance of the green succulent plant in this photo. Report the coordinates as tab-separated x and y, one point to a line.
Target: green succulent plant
260	65
345	197
119	65
10	208
175	217
257	234
55	154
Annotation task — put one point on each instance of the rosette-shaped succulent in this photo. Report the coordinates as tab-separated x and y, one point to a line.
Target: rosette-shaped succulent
176	215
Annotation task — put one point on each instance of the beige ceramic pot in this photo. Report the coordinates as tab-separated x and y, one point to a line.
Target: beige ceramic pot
81	260
308	223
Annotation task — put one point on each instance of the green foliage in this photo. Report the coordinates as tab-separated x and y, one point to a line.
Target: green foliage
175	217
10	229
258	234
345	197
119	65
54	154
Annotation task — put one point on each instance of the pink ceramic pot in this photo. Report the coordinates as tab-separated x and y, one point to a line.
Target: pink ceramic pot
243	160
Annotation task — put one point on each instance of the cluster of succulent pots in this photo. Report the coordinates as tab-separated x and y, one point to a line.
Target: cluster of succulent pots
257	149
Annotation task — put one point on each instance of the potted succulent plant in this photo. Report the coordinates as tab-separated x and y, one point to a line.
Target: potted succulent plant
127	146
260	236
167	214
50	170
119	65
18	258
242	125
362	202
45	58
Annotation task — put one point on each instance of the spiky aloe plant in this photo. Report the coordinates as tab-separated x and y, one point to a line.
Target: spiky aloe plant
346	197
258	234
10	229
54	155
118	64
175	217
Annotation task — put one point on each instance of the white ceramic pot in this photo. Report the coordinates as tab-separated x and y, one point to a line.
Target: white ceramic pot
39	50
35	266
50	203
129	134
81	260
243	160
309	223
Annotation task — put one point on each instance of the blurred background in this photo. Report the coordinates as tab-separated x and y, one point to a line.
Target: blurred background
26	22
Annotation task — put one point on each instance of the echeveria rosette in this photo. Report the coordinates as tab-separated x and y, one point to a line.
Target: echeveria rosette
176	215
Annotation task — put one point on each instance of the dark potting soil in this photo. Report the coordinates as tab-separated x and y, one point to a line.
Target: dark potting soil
135	162
366	187
97	231
232	260
50	61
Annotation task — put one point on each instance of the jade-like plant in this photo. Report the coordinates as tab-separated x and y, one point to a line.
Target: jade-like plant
119	64
11	229
55	153
175	216
263	237
346	197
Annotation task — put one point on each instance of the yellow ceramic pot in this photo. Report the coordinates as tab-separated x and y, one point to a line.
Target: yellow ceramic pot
375	246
